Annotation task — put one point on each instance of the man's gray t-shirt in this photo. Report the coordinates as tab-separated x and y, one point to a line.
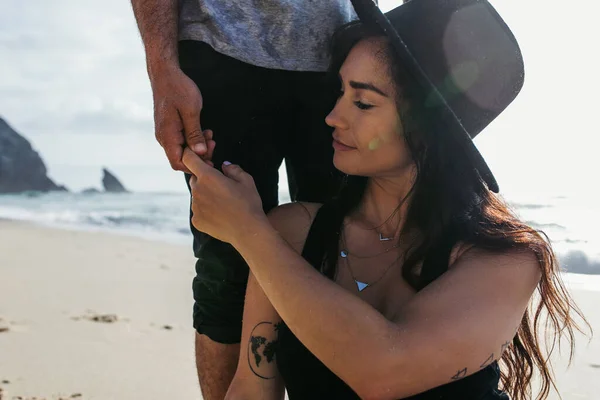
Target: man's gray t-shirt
279	34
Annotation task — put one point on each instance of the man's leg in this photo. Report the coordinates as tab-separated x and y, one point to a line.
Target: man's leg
219	289
239	106
216	364
309	152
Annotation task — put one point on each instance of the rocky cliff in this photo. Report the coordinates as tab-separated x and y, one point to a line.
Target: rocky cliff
21	167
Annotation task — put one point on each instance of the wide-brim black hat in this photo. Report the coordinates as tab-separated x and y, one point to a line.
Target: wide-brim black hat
463	54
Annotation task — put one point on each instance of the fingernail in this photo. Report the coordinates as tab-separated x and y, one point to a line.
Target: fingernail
199	148
226	163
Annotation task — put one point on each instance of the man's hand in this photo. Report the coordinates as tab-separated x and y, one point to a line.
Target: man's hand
177	106
177	100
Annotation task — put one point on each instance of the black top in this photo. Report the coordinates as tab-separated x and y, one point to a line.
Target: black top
306	377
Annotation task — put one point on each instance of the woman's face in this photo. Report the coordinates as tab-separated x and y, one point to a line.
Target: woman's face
368	135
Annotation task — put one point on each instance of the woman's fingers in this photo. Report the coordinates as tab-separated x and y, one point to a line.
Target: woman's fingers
195	164
236	173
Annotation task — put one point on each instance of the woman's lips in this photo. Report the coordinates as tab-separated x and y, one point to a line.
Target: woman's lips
341	146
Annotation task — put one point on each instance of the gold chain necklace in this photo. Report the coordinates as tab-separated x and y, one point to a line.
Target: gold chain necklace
345	252
376	228
360	284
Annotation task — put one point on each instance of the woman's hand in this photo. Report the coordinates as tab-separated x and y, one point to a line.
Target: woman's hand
224	205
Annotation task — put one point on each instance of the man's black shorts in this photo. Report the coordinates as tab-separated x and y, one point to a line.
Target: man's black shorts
259	117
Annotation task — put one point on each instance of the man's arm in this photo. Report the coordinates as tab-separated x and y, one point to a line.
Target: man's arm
177	100
157	22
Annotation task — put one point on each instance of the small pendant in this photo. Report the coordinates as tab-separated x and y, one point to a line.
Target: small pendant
361	285
384	239
344	253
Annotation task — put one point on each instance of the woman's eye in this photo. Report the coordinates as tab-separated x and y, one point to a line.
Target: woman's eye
362	105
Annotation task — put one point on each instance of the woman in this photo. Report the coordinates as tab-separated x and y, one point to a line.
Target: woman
416	281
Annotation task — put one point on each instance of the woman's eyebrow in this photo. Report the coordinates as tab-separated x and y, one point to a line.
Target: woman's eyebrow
367	86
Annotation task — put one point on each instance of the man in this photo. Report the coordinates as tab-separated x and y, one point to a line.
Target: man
256	71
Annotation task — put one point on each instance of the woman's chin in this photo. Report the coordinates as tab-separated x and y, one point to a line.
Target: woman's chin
352	166
346	166
340	164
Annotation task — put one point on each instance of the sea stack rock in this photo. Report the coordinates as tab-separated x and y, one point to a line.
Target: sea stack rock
21	168
111	183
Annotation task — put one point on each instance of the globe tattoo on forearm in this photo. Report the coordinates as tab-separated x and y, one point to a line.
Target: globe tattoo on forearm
262	348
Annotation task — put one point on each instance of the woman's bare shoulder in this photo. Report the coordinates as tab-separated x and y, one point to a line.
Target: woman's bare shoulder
293	221
518	263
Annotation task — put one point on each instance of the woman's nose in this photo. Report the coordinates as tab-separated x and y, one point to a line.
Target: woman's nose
335	118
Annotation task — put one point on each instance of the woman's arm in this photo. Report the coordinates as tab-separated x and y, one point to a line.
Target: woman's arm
257	376
456	326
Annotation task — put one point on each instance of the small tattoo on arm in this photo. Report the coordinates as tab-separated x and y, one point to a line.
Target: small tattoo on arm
488	361
460	374
262	348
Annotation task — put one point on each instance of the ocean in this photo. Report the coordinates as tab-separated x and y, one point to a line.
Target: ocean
571	223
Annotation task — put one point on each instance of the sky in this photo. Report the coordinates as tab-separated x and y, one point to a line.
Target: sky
73	81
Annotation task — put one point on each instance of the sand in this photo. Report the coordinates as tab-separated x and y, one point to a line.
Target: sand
99	315
87	315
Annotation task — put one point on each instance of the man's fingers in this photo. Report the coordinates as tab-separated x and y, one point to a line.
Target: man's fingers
195	141
168	128
174	154
170	136
194	137
211	144
195	164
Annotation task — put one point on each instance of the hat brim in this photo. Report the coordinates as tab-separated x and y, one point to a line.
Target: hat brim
368	12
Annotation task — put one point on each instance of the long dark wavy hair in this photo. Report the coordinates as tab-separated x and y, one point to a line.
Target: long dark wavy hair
450	200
